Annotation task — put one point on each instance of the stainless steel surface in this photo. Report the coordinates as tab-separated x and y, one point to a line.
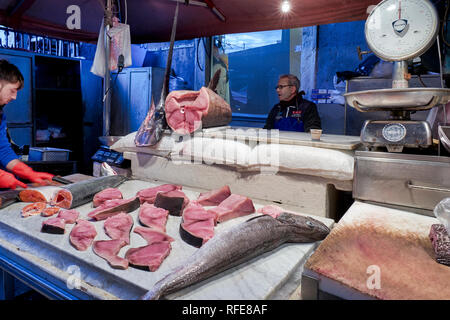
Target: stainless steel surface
444	135
384	178
410	185
398	75
397	99
414	134
109	140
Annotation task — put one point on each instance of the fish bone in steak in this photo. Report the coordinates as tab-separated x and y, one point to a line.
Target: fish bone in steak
232	207
54	225
79	193
152	235
149	194
154	217
109	250
119	227
112	207
197	225
82	235
107	194
69	215
174	201
214	197
188	111
150	256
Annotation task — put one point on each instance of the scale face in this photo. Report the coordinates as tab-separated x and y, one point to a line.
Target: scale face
398	30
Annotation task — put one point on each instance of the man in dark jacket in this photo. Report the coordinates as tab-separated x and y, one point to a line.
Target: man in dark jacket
11	81
292	113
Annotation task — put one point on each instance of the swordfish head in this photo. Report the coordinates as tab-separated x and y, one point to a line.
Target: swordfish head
152	128
302	228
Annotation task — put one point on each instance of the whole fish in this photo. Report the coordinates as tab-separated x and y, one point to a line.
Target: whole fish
237	245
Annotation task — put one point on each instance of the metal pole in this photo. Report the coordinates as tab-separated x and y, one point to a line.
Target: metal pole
107	79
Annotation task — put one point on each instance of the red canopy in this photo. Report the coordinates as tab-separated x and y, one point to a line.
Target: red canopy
151	20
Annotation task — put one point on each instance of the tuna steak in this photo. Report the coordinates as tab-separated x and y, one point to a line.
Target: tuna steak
119	227
153	235
70	216
174	201
109	250
107	194
112	207
154	217
188	111
197	225
54	225
82	235
232	207
237	245
79	193
149	194
214	197
150	256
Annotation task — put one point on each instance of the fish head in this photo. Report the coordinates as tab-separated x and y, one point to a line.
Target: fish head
151	130
303	228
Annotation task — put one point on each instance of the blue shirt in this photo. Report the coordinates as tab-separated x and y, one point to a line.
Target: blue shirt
6	152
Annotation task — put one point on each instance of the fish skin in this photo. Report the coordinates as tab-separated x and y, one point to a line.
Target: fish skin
84	191
237	245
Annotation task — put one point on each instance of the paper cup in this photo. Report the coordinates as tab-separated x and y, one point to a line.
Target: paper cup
315	134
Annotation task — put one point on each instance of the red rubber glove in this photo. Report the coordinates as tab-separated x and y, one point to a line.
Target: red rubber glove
25	172
7	180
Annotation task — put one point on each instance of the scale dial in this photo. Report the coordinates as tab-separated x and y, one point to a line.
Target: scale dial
398	30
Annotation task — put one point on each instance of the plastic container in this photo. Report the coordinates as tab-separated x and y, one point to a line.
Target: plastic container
48	154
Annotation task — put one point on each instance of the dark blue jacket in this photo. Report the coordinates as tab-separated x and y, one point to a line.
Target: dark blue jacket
298	114
6	152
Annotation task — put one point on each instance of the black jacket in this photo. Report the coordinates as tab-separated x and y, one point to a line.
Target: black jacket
299	106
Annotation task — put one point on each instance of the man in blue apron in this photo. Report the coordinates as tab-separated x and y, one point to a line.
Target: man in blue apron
11	81
292	113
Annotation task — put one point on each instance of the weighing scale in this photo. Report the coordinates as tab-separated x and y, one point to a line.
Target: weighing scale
398	31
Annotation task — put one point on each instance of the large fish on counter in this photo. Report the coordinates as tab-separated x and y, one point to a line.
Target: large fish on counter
237	245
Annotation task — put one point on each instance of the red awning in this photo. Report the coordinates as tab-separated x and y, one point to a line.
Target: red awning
151	20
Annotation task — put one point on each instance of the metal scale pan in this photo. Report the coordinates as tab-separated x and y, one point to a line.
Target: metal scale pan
408	99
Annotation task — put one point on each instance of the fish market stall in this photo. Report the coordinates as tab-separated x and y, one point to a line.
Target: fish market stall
51	265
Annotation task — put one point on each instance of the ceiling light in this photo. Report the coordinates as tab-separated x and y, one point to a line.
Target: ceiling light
285	6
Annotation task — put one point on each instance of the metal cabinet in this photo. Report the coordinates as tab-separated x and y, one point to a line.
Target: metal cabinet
132	92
